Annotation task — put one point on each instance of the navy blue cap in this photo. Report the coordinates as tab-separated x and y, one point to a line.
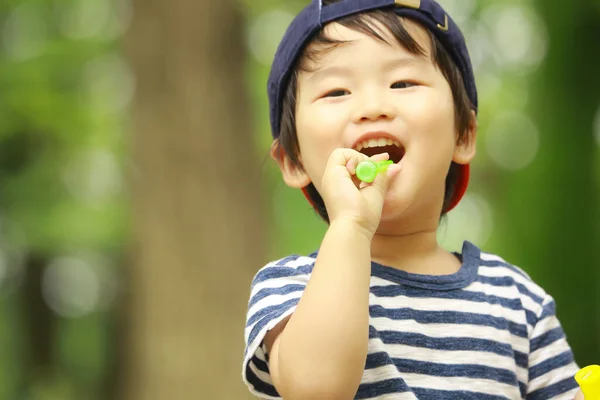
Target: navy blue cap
315	16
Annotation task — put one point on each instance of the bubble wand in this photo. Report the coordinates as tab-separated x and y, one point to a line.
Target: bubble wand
367	170
588	379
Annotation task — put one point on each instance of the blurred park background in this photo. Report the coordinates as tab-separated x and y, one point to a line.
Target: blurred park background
137	199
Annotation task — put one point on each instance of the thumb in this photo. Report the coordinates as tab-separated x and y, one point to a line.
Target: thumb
579	395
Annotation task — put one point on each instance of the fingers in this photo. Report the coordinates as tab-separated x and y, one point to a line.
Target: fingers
579	395
382	180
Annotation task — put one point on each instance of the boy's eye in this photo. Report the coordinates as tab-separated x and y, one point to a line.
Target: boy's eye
402	85
336	93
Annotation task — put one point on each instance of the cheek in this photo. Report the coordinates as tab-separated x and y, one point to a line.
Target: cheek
437	138
316	142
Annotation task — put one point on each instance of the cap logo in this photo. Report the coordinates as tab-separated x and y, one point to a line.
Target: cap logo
408	3
445	26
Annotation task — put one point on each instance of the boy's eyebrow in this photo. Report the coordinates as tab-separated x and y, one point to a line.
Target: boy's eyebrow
345	70
402	62
331	70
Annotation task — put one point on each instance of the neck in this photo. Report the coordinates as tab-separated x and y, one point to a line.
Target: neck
416	252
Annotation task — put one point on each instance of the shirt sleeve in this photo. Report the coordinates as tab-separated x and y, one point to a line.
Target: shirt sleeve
551	364
275	292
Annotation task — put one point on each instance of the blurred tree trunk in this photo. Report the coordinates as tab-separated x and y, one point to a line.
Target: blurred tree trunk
40	326
560	235
197	223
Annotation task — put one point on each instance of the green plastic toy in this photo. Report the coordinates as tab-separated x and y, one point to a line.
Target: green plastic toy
367	170
588	379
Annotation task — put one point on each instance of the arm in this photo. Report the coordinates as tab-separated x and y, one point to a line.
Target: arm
320	352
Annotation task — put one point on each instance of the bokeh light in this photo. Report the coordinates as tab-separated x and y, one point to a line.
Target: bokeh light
25	32
108	84
520	39
512	140
75	286
471	220
265	33
93	176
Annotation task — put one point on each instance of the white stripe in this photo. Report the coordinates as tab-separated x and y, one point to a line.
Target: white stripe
506	292
499	272
273	300
385	372
486	359
546	353
453	305
395	396
275	283
484	386
377	281
263	376
452	331
491	257
553	377
301	261
545	325
261	334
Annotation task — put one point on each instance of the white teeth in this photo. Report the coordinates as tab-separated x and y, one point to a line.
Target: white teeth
381	142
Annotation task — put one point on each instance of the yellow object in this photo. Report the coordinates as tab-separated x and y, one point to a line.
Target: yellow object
588	379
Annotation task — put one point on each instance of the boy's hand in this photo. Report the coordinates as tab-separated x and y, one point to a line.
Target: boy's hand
579	396
346	197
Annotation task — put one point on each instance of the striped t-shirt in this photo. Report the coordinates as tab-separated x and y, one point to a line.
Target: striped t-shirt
486	332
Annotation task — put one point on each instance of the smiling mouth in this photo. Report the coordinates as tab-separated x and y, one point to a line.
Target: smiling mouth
377	146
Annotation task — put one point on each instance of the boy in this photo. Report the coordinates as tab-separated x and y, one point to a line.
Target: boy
381	310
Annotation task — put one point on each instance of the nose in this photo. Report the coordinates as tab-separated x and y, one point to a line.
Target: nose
373	105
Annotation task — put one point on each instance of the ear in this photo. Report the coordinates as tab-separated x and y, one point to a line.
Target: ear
293	175
465	149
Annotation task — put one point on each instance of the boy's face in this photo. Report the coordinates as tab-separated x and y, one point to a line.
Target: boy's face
367	88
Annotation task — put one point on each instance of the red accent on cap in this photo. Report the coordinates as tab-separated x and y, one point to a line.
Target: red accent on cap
459	191
305	192
460	186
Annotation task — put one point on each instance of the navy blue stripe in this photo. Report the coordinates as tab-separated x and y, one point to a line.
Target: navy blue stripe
475	371
498	263
274	272
526	292
376	360
431	394
523	389
260	364
273	313
449	317
547	338
370	390
280	291
549	392
520	286
558	361
531	317
260	314
446	343
477	297
259	385
548	311
521	359
508	281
